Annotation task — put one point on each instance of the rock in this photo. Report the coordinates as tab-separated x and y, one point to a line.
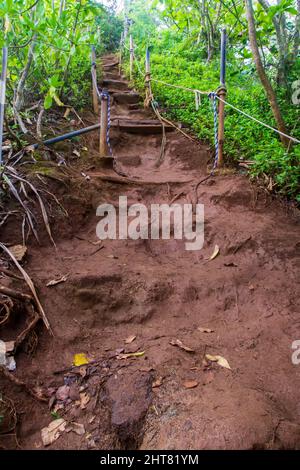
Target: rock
130	396
62	392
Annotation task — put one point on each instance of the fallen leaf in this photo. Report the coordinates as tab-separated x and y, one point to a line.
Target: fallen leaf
84	399
158	382
136	354
54	282
52	432
76	427
130	339
75	152
215	253
179	344
219	360
80	360
208	377
205	330
19	251
190	384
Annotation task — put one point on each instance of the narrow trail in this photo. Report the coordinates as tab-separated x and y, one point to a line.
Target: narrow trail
157	291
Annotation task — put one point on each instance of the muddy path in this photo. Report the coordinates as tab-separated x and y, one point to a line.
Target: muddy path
247	299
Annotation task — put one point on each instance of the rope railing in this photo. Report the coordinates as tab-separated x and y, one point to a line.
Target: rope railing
215	95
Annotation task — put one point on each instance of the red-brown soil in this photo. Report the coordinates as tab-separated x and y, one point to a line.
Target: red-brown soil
158	291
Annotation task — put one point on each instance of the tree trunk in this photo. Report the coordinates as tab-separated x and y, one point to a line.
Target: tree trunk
19	92
262	74
281	38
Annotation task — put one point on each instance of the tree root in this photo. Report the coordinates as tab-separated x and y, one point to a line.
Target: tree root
12	378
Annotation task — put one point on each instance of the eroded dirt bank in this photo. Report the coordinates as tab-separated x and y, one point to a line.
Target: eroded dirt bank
156	291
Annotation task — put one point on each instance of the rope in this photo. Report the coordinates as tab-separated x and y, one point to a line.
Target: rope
231	106
258	121
179	87
105	95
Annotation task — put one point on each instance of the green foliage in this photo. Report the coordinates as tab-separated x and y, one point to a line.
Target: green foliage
61	41
178	57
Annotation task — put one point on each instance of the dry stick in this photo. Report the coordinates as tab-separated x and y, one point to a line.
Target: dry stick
39	124
31	286
2	96
15	294
116	179
7	272
31	325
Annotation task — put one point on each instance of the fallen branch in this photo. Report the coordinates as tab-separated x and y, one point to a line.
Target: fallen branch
15	294
119	180
31	286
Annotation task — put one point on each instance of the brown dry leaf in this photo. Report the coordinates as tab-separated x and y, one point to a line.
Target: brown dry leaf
205	330
130	339
219	360
67	112
158	382
82	371
208	377
19	251
179	344
190	384
52	432
54	282
215	253
84	399
76	427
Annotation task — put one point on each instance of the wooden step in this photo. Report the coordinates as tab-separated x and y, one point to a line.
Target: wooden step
127	98
144	127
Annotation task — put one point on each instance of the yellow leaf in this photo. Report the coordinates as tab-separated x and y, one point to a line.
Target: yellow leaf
136	354
80	359
219	360
57	100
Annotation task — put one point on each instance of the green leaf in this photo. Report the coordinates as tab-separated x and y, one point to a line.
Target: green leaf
48	101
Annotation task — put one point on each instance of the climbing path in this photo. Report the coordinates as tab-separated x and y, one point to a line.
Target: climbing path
176	309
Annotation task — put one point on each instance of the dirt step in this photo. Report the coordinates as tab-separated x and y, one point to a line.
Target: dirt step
148	126
110	65
112	76
126	98
116	85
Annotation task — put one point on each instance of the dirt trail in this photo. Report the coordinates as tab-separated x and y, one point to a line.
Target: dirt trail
157	291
